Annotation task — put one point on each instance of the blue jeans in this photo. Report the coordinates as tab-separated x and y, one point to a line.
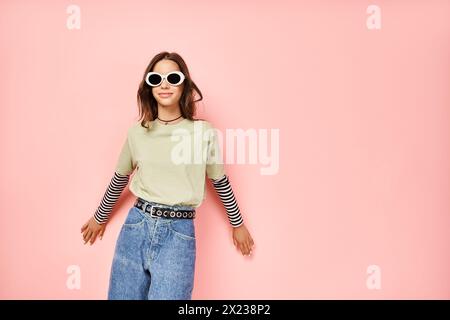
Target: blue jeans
154	258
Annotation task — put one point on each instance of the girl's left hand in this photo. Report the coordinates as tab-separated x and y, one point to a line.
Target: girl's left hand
243	240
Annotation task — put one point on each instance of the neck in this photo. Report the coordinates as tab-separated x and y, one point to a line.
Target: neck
167	113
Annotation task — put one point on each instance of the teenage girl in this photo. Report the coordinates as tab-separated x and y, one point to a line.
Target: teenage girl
155	251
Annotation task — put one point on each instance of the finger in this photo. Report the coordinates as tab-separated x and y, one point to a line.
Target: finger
84	226
85	233
246	248
249	248
88	236
241	246
101	233
93	237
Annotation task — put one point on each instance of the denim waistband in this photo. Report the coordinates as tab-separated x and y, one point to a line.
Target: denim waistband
177	206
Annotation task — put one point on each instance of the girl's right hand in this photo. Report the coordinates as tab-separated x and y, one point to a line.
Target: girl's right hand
91	229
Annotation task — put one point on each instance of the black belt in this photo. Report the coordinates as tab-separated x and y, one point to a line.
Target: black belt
163	212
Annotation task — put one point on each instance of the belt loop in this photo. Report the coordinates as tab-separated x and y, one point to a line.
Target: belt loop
144	206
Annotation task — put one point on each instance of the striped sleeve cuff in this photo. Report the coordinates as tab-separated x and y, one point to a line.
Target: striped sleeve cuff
115	188
223	188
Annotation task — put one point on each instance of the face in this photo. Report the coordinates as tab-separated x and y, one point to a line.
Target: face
164	67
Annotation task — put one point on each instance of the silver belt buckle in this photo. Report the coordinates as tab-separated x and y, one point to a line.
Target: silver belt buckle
155	212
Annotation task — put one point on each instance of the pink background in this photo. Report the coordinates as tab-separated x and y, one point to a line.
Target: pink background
364	142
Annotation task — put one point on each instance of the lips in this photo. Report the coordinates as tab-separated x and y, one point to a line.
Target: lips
165	95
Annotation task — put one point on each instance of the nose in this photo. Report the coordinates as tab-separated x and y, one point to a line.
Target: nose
164	84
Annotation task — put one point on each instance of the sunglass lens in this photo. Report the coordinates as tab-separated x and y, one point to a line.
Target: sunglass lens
154	79
174	78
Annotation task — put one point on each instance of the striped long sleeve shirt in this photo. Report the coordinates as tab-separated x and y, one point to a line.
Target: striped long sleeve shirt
225	192
112	194
119	182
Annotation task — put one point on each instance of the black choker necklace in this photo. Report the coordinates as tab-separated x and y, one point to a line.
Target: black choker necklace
167	121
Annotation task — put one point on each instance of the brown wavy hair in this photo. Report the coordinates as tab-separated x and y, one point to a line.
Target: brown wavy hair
148	106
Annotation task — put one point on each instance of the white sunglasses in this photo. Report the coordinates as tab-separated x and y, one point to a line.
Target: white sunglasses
174	78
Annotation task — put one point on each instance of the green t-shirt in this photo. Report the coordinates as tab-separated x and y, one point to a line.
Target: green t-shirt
171	161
